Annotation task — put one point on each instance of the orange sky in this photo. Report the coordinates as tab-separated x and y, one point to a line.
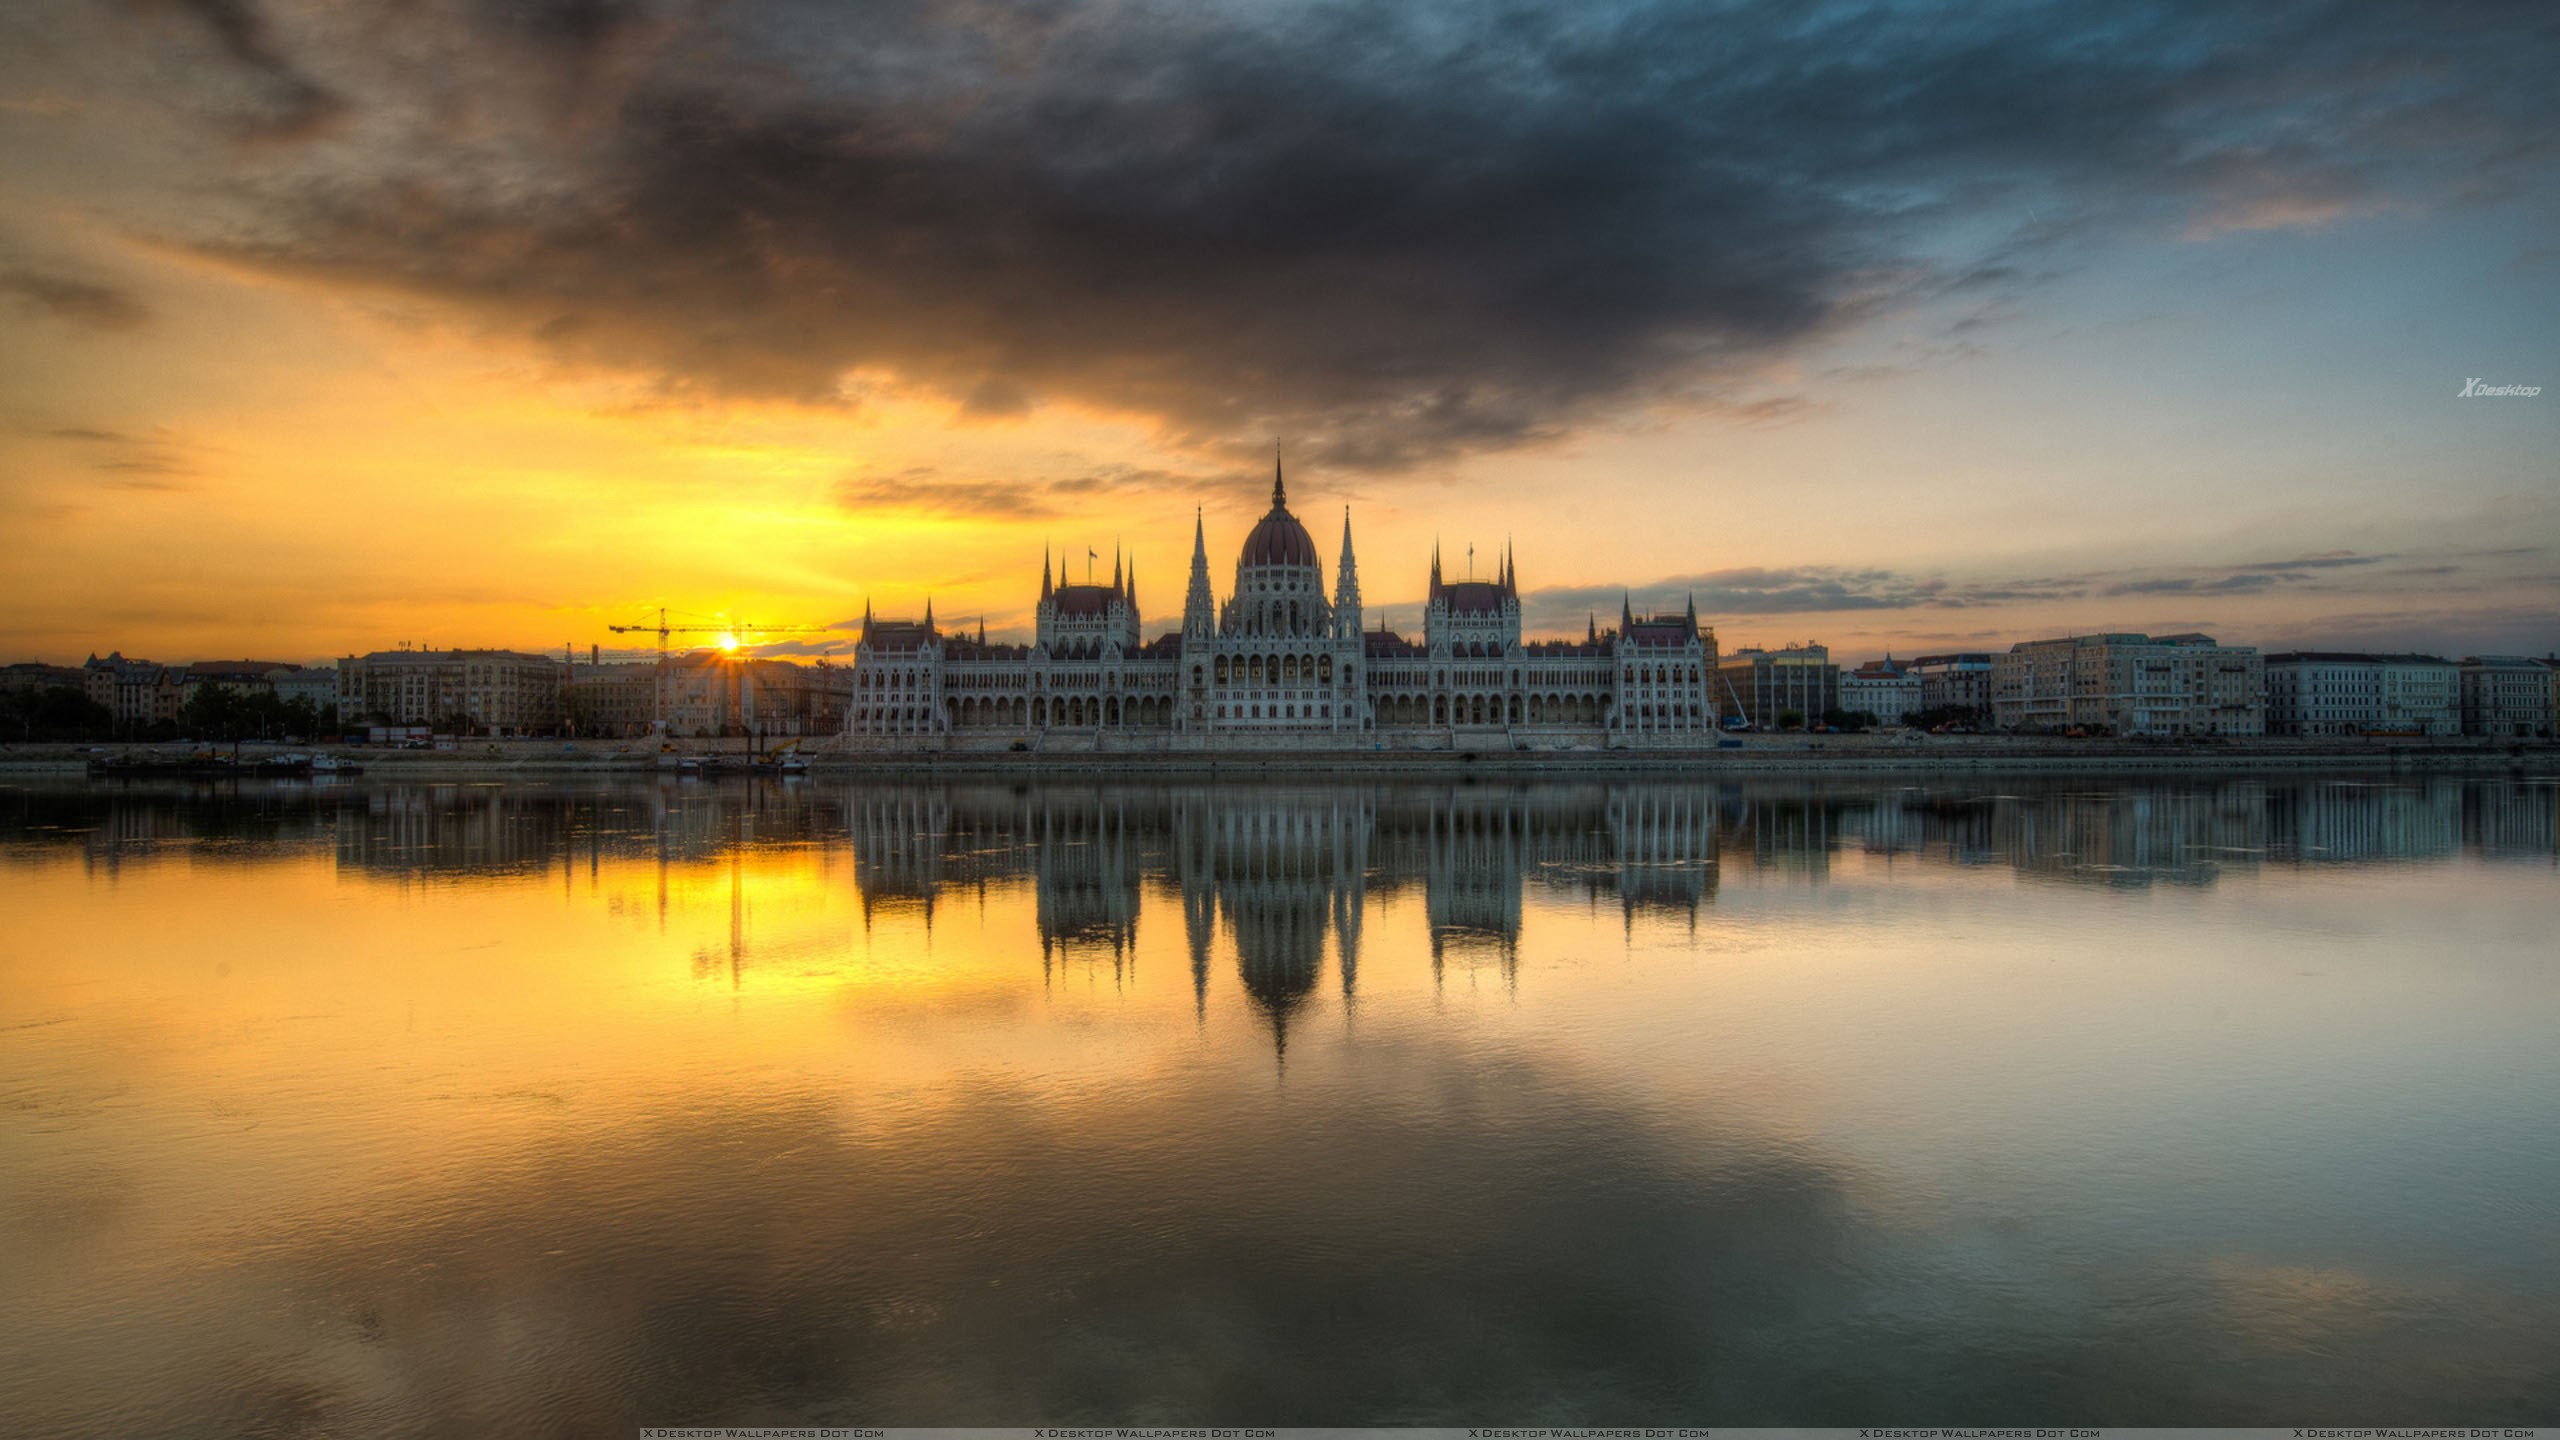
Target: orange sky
227	428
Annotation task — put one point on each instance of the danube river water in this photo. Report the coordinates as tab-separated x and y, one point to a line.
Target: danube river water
494	1109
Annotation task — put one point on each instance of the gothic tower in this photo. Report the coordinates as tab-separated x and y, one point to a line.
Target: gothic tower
1346	587
1199	606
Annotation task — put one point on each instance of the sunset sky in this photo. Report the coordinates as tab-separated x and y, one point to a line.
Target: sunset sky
327	325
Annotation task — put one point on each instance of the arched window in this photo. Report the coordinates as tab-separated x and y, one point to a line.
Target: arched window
1289	669
1324	668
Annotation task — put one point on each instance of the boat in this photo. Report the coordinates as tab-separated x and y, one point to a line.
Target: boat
171	767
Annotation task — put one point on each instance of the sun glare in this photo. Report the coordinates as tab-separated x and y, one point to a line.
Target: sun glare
728	641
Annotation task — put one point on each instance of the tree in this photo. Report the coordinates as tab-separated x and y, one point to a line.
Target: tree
1790	719
57	712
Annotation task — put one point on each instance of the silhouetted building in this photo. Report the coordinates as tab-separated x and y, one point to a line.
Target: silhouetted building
502	692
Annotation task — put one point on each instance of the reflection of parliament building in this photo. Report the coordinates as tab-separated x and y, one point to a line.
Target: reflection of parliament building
1276	661
1284	871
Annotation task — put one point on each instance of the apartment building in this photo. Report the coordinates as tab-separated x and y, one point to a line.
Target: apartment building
1881	688
2327	692
1956	681
2506	696
1763	685
2131	684
500	692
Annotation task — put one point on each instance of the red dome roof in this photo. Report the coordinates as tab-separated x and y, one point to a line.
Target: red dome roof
1278	539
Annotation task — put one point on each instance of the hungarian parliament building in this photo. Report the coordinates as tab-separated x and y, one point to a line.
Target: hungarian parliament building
1278	663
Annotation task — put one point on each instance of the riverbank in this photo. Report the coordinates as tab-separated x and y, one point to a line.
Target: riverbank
485	760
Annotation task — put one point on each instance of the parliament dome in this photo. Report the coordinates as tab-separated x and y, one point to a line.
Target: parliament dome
1279	539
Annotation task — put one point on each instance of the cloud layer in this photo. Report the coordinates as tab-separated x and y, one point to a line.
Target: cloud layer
1394	233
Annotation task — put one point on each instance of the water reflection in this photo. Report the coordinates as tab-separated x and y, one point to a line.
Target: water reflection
1471	847
567	1108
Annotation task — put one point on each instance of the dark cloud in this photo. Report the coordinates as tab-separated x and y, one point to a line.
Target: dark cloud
1824	590
1390	232
926	489
82	302
2332	560
2192	585
1797	590
287	104
88	434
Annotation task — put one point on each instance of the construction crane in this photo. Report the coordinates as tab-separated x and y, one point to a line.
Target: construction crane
729	637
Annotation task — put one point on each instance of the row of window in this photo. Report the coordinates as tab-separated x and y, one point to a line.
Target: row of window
1276	670
1278	712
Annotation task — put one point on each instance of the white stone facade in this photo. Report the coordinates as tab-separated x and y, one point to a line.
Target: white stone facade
1282	661
1882	689
2333	693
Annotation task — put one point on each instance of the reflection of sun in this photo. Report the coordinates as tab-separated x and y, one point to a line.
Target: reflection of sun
728	641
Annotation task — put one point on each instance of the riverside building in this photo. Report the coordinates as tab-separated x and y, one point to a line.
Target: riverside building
1284	659
2131	684
1880	688
500	692
2327	692
2506	697
1770	689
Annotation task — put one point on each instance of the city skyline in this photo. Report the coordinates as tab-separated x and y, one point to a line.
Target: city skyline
495	326
1548	613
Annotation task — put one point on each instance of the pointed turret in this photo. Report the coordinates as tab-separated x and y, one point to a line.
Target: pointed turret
1693	610
1199	605
1044	572
1591	628
1279	490
1626	612
1435	569
1115	565
928	614
1346	585
866	619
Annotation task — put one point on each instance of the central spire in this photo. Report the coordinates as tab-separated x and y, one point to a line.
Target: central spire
1279	489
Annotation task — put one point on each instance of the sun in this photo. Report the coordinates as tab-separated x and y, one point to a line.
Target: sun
727	641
